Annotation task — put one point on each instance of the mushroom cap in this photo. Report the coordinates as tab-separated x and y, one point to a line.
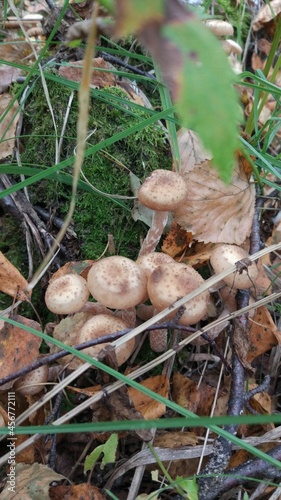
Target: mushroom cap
170	282
219	27
225	256
151	260
162	190
33	382
117	282
103	324
67	294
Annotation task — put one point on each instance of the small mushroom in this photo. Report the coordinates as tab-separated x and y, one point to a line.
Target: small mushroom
225	256
103	324
163	191
33	382
171	282
219	27
117	282
67	294
157	338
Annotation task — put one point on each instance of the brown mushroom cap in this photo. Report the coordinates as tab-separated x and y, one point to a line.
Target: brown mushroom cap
225	256
162	190
151	260
67	294
33	382
170	282
103	324
117	282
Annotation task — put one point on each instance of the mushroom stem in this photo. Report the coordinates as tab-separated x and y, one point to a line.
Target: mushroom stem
159	222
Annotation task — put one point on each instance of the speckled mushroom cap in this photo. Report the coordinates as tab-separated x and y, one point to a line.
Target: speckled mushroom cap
151	260
100	325
170	282
225	256
162	190
117	282
67	294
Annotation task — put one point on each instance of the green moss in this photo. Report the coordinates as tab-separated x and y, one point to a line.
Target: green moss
95	216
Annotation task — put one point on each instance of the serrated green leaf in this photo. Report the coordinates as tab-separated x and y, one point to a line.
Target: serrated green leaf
109	453
206	99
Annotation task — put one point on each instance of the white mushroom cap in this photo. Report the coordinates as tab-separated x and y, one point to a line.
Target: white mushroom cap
103	324
225	256
219	27
67	294
231	47
151	260
117	282
33	382
170	282
162	190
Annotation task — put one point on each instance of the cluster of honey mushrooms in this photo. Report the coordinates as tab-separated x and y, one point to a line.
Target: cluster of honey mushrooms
127	291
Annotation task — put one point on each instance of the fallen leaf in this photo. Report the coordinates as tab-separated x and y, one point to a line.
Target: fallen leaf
83	491
8	125
8	75
189	395
191	149
176	241
100	79
18	347
214	211
263	334
148	407
30	479
175	439
11	280
267	13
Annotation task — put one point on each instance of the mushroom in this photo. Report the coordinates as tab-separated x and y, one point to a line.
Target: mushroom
157	338
219	27
103	324
169	282
163	191
225	256
117	282
151	260
33	382
67	294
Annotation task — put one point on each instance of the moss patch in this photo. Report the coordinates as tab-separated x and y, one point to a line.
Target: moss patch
95	216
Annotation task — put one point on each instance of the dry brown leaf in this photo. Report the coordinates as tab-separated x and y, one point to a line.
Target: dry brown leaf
262	335
31	478
99	79
11	281
214	211
191	150
175	439
8	74
148	407
82	491
8	125
267	13
261	402
176	241
18	347
189	395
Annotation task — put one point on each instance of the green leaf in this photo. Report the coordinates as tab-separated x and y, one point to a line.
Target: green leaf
206	99
109	453
190	486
